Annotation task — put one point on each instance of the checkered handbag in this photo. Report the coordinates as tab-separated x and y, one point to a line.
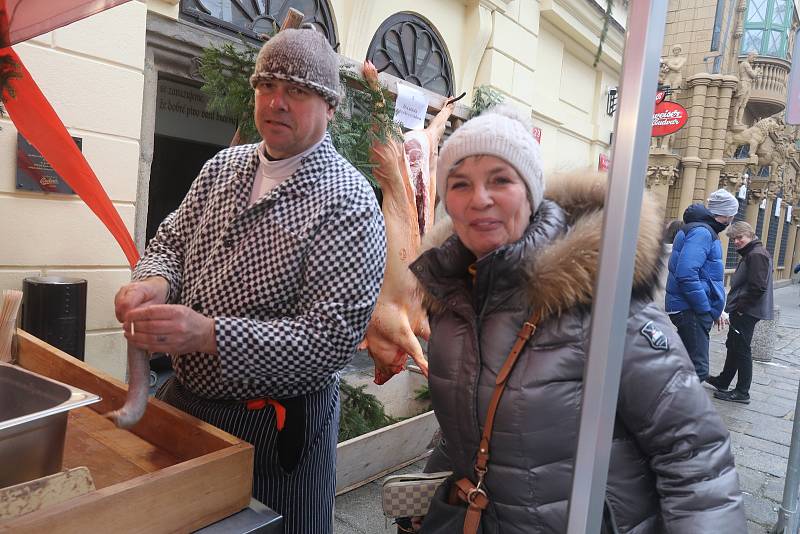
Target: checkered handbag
410	495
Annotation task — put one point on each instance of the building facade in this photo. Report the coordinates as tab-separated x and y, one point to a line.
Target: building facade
125	83
729	62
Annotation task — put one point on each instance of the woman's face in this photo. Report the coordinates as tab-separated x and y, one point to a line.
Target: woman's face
488	203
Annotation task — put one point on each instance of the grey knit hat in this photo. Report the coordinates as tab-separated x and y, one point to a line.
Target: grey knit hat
502	131
723	203
303	57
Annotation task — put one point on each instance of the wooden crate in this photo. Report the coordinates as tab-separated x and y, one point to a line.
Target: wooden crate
170	473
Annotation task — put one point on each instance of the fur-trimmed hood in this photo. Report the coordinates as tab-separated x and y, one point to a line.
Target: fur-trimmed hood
559	268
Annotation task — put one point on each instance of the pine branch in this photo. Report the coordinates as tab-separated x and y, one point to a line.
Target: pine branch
226	71
364	115
483	98
360	412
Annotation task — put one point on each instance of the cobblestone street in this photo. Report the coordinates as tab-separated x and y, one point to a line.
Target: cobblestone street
761	431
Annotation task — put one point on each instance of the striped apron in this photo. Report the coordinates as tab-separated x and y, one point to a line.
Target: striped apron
295	469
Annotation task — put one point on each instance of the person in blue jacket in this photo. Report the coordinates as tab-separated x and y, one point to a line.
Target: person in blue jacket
695	295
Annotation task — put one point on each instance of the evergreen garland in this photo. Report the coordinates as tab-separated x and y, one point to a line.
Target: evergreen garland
364	115
226	72
361	412
483	98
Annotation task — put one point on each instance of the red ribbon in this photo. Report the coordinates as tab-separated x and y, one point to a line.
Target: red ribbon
36	120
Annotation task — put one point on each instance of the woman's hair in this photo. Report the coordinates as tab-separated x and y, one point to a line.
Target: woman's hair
739	229
671	230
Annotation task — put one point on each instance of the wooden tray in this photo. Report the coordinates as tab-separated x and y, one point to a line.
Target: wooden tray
170	473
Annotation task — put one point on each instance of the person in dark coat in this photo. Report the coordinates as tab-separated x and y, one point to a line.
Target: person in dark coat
749	301
695	284
517	250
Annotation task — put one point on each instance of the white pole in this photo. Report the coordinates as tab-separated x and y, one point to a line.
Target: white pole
643	41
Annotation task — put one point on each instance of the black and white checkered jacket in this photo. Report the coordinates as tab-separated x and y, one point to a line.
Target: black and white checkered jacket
291	280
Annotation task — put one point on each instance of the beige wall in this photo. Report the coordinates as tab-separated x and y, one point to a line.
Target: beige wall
91	72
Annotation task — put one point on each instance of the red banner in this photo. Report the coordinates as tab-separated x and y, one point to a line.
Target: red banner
36	120
29	18
668	118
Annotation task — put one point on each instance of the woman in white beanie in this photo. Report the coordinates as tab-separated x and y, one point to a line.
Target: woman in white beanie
509	294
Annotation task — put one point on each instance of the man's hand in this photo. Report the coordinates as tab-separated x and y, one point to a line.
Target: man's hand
145	292
171	328
722	322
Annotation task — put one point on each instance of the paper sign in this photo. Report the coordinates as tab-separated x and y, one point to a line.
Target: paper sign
763	205
788	213
743	192
778	207
410	107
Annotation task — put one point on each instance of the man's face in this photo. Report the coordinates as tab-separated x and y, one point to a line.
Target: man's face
741	241
724	219
289	117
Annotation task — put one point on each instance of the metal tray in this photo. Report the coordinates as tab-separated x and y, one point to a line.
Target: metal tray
33	423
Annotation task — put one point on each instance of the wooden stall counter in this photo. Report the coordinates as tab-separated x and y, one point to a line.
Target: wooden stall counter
170	473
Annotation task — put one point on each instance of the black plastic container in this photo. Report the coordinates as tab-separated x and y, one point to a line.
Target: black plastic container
54	310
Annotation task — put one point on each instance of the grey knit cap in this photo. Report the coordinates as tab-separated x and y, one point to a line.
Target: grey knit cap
722	203
303	57
503	131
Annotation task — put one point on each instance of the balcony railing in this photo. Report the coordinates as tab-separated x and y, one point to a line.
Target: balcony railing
769	90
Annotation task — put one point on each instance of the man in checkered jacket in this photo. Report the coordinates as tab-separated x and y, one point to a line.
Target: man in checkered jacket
260	285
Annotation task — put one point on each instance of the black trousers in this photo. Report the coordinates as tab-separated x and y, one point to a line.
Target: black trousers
739	359
295	469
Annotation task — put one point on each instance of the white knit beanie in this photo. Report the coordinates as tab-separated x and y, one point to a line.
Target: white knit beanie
503	131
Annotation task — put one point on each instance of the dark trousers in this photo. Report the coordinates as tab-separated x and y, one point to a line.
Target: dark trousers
739	359
295	469
693	329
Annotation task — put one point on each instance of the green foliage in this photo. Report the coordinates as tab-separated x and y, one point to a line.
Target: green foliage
423	393
226	71
361	412
363	115
604	32
483	98
8	70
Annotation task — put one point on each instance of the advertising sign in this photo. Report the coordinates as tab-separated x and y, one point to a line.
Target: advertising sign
668	118
34	173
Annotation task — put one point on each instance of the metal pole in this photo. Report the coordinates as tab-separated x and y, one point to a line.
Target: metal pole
645	35
787	516
788	519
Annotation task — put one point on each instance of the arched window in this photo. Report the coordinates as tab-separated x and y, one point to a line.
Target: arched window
766	27
408	47
255	17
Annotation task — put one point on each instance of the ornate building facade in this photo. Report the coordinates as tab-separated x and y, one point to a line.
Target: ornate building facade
730	72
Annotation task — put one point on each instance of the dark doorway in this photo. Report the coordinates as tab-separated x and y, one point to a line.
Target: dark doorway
176	163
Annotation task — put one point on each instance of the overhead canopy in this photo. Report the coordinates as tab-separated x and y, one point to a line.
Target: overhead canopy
28	18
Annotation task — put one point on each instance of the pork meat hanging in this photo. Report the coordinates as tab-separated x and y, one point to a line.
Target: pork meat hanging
406	174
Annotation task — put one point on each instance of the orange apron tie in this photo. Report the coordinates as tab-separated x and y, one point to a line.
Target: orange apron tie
280	411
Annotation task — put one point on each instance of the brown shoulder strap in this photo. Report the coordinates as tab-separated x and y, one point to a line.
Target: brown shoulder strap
523	336
473	494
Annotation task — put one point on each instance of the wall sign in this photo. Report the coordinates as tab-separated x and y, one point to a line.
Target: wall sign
668	118
181	112
537	134
35	174
603	163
